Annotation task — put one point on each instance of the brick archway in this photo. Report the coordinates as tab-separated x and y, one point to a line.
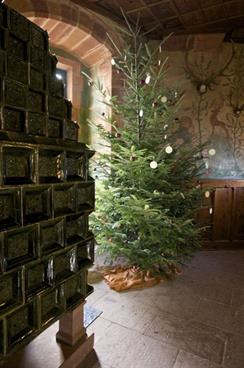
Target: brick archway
69	13
82	35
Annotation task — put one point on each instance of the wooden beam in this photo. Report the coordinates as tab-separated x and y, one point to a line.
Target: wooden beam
99	9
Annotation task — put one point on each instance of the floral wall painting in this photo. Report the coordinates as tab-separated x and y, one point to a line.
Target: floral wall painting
212	109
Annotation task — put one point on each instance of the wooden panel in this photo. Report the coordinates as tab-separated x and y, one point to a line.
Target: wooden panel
227	203
238	215
204	215
222	214
205	219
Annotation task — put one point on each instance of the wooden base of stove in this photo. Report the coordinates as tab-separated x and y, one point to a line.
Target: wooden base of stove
66	349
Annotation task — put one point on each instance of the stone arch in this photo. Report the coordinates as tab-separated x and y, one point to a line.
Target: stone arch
69	13
82	34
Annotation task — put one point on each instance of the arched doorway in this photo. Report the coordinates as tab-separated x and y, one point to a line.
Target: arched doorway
79	40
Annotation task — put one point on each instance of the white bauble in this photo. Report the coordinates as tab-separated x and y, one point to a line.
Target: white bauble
168	149
207	194
153	164
212	152
164	99
148	78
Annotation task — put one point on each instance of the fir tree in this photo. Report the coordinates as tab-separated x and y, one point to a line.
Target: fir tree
147	199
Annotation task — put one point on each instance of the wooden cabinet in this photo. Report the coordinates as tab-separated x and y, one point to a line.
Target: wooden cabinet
222	212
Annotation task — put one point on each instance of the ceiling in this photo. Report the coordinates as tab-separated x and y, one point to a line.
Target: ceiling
177	16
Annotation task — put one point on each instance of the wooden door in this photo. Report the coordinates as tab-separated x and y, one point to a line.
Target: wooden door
223	212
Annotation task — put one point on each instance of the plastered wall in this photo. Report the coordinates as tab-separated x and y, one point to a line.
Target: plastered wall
211	110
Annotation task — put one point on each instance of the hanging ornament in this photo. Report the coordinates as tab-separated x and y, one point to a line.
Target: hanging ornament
212	152
202	88
237	111
141	113
148	78
165	137
153	164
113	61
207	194
164	99
168	149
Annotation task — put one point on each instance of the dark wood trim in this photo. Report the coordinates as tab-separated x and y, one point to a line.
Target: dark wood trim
222	183
226	245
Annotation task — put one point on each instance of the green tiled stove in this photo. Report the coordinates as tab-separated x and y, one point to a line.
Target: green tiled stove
46	193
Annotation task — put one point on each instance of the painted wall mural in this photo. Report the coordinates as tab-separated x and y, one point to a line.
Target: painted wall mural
212	110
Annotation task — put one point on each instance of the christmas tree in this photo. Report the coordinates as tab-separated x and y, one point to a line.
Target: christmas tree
147	195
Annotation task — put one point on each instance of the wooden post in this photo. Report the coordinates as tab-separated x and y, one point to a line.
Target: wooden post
73	333
71	326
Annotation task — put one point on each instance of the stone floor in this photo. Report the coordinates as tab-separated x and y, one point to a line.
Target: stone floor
194	321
